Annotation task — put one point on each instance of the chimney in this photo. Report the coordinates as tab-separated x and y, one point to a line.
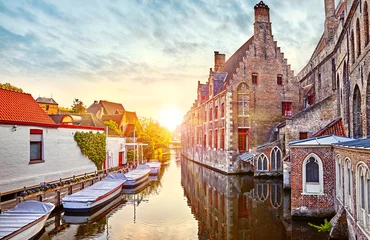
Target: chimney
95	101
330	20
261	13
219	61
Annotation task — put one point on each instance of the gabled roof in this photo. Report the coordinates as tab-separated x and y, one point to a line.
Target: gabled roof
112	107
114	117
87	119
358	143
320	141
131	117
46	100
335	127
232	63
21	107
218	80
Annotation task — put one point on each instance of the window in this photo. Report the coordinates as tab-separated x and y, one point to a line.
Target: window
223	110
243	137
312	171
222	139
366	23
276	195
348	181
262	163
353	47
279	79
303	135
333	77
338	170
36	145
242	105
204	140
216	139
275	159
286	108
210	114
210	139
362	194
262	191
358	37
47	107
216	112
254	78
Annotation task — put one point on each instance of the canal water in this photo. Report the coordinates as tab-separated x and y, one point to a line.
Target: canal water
189	201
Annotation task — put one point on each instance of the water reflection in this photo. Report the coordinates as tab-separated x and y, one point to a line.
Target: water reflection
189	201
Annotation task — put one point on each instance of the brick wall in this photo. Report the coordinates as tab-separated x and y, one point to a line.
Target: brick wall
312	205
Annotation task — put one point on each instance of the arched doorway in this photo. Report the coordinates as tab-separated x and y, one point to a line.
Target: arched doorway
356	113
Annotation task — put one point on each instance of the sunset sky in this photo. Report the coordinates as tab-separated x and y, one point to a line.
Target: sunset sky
147	55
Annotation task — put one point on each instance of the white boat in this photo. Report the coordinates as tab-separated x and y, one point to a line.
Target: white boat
95	196
154	167
137	176
137	188
79	219
25	220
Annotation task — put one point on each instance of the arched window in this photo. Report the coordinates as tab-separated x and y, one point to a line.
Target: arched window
356	113
275	159
362	194
348	183
366	23
312	171
338	97
353	46
358	37
338	170
243	99
262	163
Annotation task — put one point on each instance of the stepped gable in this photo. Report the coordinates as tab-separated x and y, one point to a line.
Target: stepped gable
21	107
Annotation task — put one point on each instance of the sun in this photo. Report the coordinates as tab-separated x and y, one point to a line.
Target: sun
170	117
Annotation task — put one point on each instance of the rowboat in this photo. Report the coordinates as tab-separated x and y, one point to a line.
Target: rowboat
154	167
95	196
137	188
25	220
137	176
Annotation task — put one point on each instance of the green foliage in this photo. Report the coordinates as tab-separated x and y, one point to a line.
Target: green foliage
157	137
64	109
113	126
130	155
325	227
8	86
93	146
78	106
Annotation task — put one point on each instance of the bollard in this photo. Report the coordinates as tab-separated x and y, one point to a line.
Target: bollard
58	198
69	190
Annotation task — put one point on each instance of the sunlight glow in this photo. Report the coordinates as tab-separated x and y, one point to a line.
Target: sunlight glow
170	117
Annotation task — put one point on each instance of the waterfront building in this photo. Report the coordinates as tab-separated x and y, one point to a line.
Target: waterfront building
242	102
33	149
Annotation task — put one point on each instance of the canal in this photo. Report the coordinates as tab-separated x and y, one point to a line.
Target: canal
189	201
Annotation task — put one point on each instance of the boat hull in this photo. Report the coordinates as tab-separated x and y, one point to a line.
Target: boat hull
85	207
132	183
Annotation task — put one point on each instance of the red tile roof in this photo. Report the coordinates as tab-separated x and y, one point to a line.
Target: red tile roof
21	107
335	127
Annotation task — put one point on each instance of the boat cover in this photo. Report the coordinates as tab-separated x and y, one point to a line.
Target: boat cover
21	215
153	164
138	172
93	192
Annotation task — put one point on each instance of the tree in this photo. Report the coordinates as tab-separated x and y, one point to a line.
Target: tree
157	137
8	86
113	126
78	106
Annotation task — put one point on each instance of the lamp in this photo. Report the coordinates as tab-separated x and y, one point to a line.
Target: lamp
14	128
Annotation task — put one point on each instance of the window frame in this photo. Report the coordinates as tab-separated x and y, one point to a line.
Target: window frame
313	188
279	79
36	136
286	108
255	78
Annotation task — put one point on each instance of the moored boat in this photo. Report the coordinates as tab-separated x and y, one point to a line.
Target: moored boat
95	196
25	220
155	166
137	176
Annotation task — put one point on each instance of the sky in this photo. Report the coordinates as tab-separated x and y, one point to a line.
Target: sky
146	54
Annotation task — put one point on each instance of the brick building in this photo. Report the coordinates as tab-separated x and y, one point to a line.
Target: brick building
49	105
244	99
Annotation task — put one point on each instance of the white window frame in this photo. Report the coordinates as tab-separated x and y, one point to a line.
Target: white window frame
348	180
312	188
339	178
274	152
363	216
260	159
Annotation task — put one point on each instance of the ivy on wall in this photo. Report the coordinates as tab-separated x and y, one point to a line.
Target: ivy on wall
92	145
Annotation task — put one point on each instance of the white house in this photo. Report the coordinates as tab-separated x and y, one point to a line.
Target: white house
33	149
